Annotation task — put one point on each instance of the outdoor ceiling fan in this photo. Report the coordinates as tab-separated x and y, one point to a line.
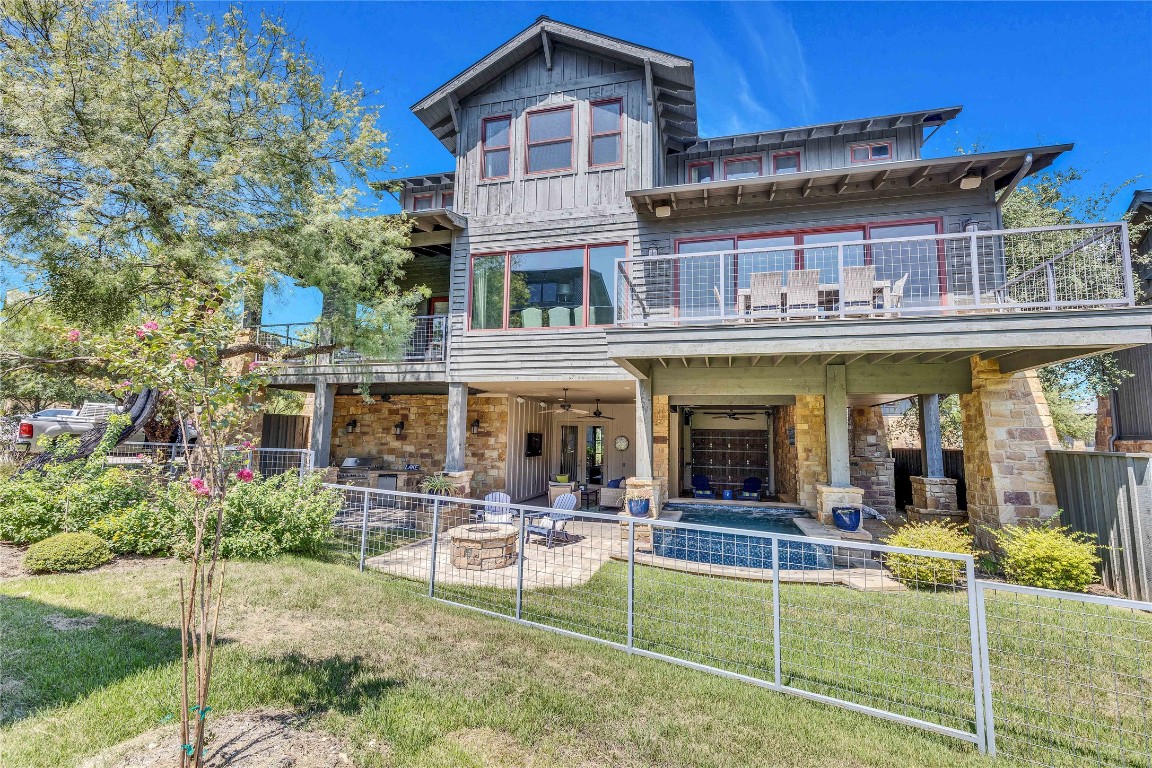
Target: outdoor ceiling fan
566	407
597	414
735	415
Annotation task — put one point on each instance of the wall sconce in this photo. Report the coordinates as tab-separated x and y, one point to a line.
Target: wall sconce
475	426
398	429
351	427
971	181
385	397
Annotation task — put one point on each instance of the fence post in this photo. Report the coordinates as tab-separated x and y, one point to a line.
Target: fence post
976	638
777	677
974	265
1050	280
1126	265
632	580
520	568
435	541
364	532
989	745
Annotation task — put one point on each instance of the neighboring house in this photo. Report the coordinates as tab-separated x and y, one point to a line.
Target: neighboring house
731	307
1131	407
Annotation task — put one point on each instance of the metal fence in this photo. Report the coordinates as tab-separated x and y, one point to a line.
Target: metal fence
425	344
834	275
173	457
1109	495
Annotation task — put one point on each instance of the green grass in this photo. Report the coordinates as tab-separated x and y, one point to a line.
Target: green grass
370	658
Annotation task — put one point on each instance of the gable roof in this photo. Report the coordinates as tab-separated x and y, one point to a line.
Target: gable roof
670	78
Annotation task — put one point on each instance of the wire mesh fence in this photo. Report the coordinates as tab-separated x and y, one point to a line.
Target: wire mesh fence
173	458
1068	677
426	343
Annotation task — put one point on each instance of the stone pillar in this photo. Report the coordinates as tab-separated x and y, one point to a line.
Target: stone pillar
1104	423
873	468
323	402
457	427
836	425
934	499
644	431
1007	432
661	466
811	448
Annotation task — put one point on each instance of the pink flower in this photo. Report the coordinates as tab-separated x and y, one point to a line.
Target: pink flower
245	475
151	325
74	335
253	366
139	455
189	363
140	333
199	487
174	357
246	445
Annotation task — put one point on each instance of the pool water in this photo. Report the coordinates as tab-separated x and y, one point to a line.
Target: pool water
733	549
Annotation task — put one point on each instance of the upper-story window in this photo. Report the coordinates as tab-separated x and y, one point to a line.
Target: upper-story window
446	200
743	167
701	171
786	162
550	140
870	152
424	202
496	141
607	133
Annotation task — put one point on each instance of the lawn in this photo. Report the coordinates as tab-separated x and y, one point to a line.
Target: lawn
407	681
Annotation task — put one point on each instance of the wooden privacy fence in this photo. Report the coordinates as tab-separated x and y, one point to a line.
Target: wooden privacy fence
910	463
1110	495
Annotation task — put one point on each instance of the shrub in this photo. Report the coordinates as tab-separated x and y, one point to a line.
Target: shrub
1048	556
149	528
278	515
926	572
66	553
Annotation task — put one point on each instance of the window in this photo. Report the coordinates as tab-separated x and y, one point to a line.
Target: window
496	140
423	202
701	171
786	162
607	133
550	140
870	152
446	200
556	288
742	168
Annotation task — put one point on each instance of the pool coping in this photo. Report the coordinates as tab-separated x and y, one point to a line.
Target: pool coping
808	525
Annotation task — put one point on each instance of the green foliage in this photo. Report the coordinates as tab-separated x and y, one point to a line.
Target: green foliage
149	528
928	572
66	553
907	424
278	515
439	485
1048	556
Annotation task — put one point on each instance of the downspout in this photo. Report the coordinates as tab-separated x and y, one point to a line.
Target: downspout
1114	399
1016	179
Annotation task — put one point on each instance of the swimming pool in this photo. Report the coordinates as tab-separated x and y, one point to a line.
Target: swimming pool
733	549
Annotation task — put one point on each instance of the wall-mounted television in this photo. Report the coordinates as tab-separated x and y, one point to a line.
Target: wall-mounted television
534	444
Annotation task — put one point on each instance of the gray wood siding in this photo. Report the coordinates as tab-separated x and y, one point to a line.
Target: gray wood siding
1134	395
815	154
526	476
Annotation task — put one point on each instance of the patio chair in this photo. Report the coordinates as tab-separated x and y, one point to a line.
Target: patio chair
613	495
551	526
751	489
559	317
803	292
702	487
532	317
766	289
895	297
858	288
494	512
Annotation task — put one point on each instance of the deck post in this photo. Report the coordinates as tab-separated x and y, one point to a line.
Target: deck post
644	432
836	425
323	404
457	426
931	440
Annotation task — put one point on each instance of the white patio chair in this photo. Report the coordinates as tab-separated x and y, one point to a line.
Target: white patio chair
494	511
532	317
895	297
766	290
803	292
858	288
559	317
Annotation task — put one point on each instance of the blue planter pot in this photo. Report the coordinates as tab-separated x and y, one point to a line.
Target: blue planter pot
729	494
847	518
639	507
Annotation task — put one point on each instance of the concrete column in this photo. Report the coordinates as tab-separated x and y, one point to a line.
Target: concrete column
644	432
323	403
836	426
457	426
931	441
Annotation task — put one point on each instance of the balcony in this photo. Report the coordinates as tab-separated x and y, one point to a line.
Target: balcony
425	345
1048	269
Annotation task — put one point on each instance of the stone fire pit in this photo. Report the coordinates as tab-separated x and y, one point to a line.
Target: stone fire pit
483	546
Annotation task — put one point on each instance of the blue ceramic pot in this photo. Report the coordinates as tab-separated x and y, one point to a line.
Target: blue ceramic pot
847	518
639	507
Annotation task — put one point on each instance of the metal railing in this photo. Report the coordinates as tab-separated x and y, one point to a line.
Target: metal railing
173	457
1052	678
1012	270
426	344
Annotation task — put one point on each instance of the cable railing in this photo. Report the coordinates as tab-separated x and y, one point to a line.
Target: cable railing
426	343
1077	266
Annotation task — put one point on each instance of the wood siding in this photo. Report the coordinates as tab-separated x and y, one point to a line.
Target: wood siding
1133	402
527	476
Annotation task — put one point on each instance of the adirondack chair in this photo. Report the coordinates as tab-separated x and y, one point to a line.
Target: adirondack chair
803	291
858	287
702	487
493	511
551	526
751	489
766	288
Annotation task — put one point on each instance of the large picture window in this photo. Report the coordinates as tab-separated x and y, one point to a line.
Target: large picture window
554	288
550	140
496	142
607	147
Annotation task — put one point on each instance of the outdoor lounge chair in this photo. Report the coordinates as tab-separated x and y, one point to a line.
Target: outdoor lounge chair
702	488
858	288
494	512
551	526
895	297
532	317
766	289
803	292
559	317
751	489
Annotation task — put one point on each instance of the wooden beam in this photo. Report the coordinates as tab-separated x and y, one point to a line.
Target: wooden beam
960	173
672	199
454	110
649	85
739	193
772	191
808	187
917	178
804	359
879	180
755	360
931	442
663	362
548	49
843	185
826	359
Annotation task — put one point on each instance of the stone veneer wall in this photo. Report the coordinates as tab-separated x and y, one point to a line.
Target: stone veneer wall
424	441
1130	446
811	448
872	467
1007	432
784	453
1103	422
660	424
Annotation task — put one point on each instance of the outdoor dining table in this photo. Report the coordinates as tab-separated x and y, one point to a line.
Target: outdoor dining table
829	294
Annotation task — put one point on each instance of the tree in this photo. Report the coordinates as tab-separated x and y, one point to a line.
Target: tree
907	425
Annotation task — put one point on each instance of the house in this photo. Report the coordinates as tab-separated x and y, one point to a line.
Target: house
658	305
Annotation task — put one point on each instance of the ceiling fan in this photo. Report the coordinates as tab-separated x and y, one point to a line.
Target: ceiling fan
598	414
735	415
566	407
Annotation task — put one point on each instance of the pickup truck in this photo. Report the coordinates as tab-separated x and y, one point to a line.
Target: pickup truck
33	431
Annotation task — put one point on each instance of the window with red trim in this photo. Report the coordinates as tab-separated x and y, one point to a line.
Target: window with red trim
786	162
607	133
701	171
496	145
549	140
446	200
425	202
743	167
870	152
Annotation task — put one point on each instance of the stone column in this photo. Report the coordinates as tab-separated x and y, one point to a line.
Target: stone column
1104	423
457	427
836	425
811	448
1007	432
644	431
873	468
661	418
323	403
933	495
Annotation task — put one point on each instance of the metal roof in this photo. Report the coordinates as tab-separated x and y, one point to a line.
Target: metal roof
672	78
995	167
